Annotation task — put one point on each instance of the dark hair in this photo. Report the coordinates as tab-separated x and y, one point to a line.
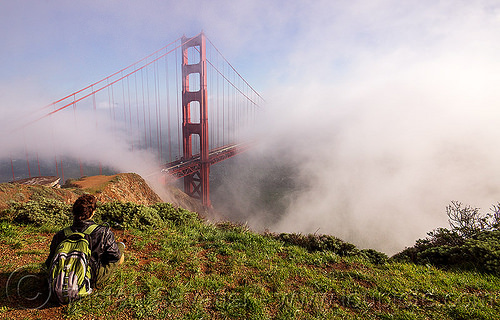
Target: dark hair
84	206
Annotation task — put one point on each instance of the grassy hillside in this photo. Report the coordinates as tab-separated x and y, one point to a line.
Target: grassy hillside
179	267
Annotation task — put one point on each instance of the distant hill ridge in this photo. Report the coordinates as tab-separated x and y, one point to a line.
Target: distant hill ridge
123	187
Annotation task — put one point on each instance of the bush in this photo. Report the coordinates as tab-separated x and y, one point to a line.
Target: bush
473	243
374	256
481	253
117	214
178	216
468	221
42	212
484	250
313	242
128	215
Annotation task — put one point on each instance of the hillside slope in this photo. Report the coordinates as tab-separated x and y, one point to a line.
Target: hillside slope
178	266
184	268
124	187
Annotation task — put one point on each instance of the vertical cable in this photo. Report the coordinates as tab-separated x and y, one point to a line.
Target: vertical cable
234	109
62	171
113	106
12	166
38	163
179	135
223	110
218	106
26	154
149	109
131	130
144	112
160	137
124	106
137	109
51	119
169	134
94	105
157	109
57	166
76	129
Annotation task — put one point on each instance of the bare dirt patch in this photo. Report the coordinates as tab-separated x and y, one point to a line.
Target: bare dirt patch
93	181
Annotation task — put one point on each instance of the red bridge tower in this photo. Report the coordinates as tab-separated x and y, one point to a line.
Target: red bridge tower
196	184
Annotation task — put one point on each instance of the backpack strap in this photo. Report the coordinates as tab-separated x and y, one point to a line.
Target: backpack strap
68	232
88	231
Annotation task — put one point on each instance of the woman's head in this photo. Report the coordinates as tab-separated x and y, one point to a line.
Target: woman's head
84	207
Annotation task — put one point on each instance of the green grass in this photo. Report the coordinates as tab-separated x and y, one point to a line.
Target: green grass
189	269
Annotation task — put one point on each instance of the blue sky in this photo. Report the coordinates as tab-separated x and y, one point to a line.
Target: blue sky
64	45
391	107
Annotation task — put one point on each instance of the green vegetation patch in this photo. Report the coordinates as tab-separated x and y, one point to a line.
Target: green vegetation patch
38	213
57	214
471	243
313	242
179	267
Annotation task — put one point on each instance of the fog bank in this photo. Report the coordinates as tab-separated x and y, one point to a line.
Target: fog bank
385	140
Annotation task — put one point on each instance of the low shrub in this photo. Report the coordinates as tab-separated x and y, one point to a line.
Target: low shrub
135	216
472	243
118	215
127	215
178	216
313	242
481	253
38	213
374	256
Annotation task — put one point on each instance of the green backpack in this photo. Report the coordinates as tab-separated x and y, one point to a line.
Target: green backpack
69	274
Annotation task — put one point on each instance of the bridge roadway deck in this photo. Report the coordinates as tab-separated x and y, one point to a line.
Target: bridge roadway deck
181	168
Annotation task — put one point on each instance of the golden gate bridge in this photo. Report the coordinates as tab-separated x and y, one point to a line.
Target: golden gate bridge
185	103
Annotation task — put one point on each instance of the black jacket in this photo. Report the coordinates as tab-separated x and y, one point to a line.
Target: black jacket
104	249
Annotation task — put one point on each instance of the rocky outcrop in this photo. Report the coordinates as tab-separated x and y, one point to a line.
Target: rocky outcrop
47	181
